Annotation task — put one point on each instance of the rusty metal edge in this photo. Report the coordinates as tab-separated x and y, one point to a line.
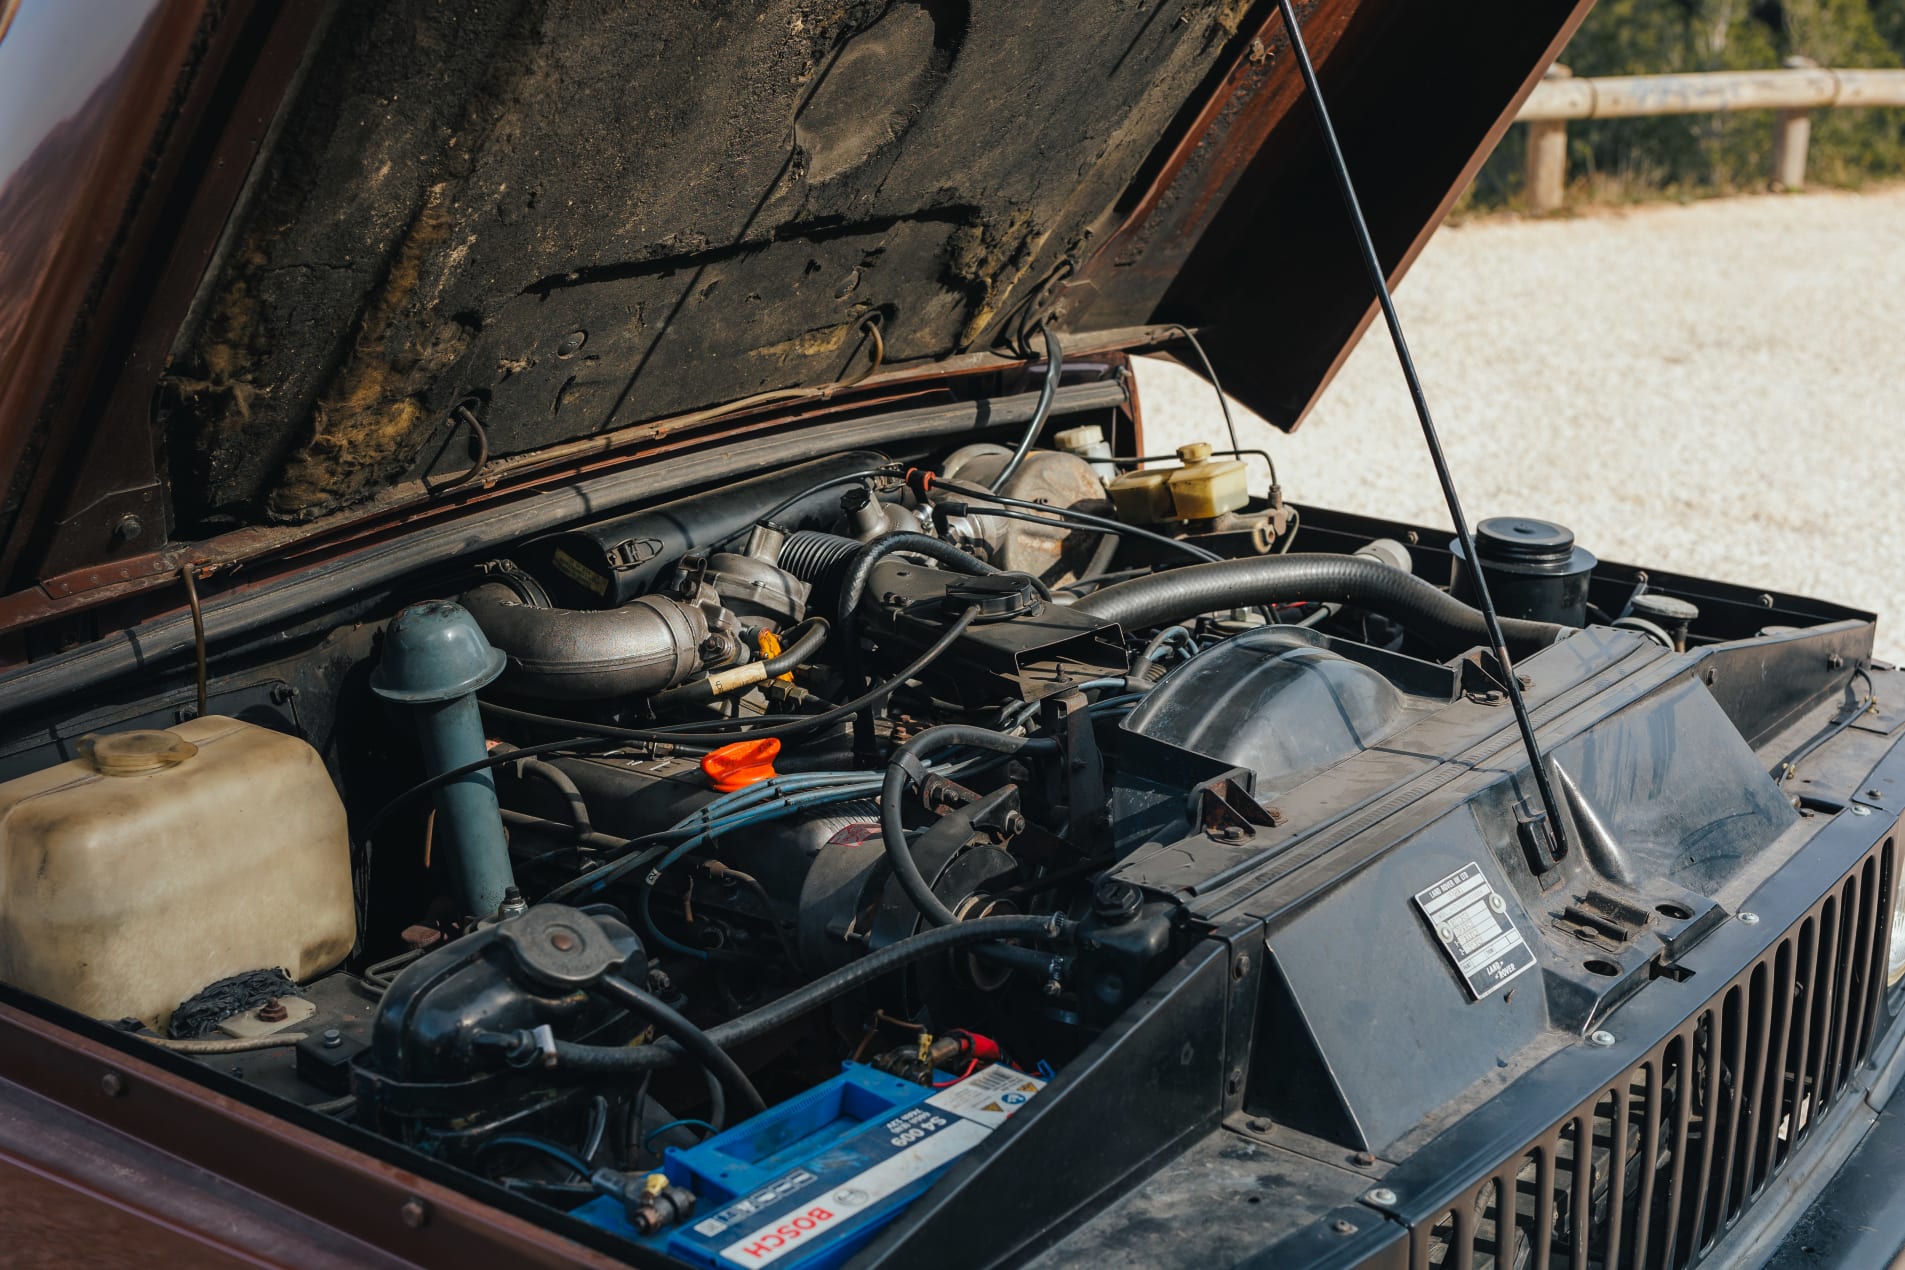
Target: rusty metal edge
406	505
374	1200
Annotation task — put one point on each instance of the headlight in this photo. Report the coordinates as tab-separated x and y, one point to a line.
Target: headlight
1895	954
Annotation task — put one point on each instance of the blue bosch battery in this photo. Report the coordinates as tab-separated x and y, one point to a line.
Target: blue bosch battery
805	1184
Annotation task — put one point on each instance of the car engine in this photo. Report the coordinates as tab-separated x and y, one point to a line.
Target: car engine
757	839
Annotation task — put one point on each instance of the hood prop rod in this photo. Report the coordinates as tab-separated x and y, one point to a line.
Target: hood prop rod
1547	833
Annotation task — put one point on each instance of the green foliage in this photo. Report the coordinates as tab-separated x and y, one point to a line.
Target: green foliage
1690	155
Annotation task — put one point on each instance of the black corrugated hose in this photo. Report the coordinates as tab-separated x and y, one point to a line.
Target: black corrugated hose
1176	595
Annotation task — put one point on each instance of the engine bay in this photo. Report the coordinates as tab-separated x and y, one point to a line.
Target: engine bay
718	873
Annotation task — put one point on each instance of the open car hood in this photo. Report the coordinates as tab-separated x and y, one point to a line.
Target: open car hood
576	216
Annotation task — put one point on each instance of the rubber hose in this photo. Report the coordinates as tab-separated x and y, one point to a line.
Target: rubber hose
1054	367
559	780
719	683
804	646
909	758
854	585
693	1041
646	645
1177	595
829	987
821	560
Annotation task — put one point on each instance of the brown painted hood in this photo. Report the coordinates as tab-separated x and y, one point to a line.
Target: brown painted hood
574	216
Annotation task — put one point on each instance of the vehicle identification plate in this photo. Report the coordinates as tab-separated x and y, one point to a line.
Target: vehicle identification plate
1471	922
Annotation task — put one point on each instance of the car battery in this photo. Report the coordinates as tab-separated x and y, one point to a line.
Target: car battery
805	1184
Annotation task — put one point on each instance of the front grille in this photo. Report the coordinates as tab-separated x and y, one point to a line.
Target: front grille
1655	1167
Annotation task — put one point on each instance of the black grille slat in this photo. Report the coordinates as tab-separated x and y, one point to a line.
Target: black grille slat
1646	1183
1828	1079
1750	1071
1878	958
1542	1239
1654	1169
1583	1167
1821	991
1772	1083
1863	999
1618	1117
1684	1081
1724	1065
1805	1021
1707	1074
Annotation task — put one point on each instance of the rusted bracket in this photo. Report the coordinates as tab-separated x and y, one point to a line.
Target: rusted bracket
1223	809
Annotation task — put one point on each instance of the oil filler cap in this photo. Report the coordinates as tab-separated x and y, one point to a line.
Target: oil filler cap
742	763
134	753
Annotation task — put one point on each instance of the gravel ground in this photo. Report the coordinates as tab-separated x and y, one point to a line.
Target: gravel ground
1711	389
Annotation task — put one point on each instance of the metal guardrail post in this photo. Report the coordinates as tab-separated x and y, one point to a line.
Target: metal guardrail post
1547	171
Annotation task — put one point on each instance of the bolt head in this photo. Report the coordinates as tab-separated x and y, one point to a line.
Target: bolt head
1858	810
1343	1226
572	343
1380	1195
1600	1039
414	1213
1236	1081
1751	919
112	1084
332	1038
1257	1124
1363	1159
127	528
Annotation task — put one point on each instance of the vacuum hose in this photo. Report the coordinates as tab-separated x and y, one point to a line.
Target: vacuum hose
1177	595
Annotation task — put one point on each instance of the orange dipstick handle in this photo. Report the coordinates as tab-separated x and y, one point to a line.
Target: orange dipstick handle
742	764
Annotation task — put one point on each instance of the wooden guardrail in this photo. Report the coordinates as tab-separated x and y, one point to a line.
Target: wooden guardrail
1794	92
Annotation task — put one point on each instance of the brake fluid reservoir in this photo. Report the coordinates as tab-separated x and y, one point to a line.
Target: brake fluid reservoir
159	862
1205	488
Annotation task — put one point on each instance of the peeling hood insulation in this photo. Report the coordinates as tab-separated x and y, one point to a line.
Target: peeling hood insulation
574	216
586	213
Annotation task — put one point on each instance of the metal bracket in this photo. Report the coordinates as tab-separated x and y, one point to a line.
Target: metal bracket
1225	810
1067	716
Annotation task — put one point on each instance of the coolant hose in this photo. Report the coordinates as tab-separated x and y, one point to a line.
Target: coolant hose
829	987
695	1042
908	764
1177	595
